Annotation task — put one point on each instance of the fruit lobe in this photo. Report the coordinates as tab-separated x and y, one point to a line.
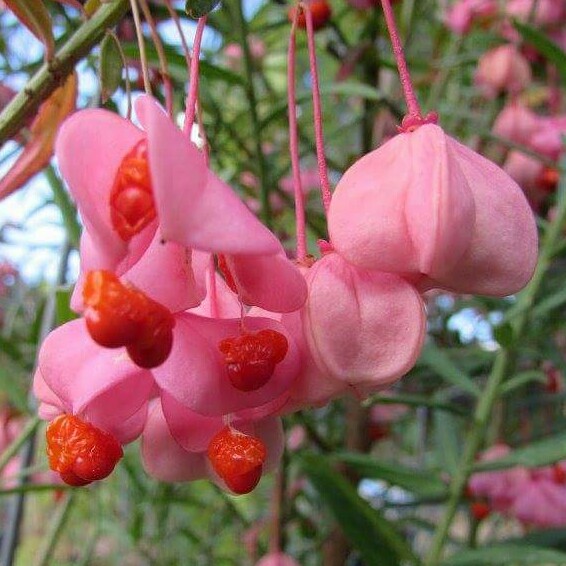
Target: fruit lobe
559	474
237	458
480	510
320	10
548	179
119	315
110	310
132	206
80	452
251	358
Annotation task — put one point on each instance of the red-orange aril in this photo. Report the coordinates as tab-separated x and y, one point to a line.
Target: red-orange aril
251	358
320	10
480	510
237	458
80	452
155	340
132	206
121	315
110	308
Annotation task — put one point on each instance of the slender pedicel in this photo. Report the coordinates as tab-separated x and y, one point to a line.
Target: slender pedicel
408	90
318	128
294	144
193	78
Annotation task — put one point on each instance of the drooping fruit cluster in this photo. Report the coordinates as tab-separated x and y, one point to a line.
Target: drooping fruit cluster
131	200
237	458
80	452
119	315
353	320
251	358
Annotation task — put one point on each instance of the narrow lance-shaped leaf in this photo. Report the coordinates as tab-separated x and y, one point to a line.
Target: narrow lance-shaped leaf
39	148
34	15
544	45
506	554
375	538
542	453
198	8
110	67
425	483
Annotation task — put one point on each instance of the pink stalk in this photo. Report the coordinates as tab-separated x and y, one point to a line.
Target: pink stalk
294	144
190	110
318	129
408	90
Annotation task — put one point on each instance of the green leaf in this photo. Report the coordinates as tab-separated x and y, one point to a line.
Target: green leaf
544	46
13	383
178	66
420	482
504	335
549	303
438	361
541	453
548	538
63	312
447	436
198	8
375	538
111	66
507	555
521	379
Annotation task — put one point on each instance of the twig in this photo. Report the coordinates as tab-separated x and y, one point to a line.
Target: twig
52	73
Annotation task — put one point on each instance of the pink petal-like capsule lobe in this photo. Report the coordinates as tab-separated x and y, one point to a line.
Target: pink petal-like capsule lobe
271	282
313	387
194	206
502	255
540	503
405	207
548	138
195	373
163	458
546	12
425	206
90	147
461	15
500	487
77	376
502	69
164	271
362	327
516	123
527	172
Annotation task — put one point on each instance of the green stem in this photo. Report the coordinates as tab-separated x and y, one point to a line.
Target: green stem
14	448
55	530
242	26
503	363
65	205
52	73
